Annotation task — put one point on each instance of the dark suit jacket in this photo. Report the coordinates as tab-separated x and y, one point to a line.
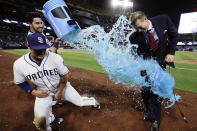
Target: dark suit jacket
168	38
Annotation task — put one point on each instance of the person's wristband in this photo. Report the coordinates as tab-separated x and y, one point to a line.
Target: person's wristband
55	45
26	87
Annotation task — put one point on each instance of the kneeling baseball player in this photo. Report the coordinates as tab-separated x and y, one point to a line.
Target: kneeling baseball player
46	70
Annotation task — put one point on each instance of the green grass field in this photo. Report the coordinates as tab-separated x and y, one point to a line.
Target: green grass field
185	74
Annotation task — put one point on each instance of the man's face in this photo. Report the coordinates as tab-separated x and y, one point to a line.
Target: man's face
37	25
38	55
142	25
52	40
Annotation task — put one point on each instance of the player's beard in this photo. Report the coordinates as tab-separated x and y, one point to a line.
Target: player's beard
39	30
38	56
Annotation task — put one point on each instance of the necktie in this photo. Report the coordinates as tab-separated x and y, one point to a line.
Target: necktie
153	42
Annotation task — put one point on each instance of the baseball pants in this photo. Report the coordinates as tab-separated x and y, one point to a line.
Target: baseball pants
43	115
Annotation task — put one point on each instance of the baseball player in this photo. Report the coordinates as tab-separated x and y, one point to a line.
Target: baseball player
48	76
36	24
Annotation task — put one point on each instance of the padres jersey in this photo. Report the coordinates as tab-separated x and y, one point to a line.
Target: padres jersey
45	76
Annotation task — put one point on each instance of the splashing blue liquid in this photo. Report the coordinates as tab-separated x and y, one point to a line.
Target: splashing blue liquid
119	58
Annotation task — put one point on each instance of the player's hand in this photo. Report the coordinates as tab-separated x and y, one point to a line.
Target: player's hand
58	96
58	41
40	93
169	58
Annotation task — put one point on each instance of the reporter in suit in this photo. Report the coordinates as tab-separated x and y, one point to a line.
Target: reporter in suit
156	38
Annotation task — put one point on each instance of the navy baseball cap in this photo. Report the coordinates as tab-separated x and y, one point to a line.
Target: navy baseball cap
37	41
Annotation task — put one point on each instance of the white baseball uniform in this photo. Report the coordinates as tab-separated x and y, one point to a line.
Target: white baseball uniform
46	76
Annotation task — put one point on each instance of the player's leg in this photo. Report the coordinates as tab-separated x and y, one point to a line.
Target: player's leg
43	113
71	95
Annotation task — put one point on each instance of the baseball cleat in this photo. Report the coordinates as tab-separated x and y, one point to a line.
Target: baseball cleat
59	104
155	126
145	118
97	105
58	121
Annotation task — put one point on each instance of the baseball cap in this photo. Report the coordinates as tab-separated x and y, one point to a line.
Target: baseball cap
37	41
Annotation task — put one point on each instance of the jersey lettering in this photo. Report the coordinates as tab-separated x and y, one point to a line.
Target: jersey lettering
28	77
56	71
46	73
41	74
34	77
51	72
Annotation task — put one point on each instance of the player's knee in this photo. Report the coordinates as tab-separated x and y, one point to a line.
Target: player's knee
40	123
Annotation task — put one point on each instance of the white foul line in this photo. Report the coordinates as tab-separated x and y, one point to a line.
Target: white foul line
185	69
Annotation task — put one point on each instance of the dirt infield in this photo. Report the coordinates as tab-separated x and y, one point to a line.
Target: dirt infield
121	109
187	61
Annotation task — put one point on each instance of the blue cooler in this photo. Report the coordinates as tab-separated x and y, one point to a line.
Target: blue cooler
60	18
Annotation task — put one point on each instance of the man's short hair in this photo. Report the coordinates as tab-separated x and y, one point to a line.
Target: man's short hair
31	15
136	15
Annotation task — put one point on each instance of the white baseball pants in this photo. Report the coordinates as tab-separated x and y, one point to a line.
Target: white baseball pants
43	106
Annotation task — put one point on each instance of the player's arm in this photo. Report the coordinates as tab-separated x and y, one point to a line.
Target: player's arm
40	93
26	87
54	46
29	88
63	72
62	84
25	84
